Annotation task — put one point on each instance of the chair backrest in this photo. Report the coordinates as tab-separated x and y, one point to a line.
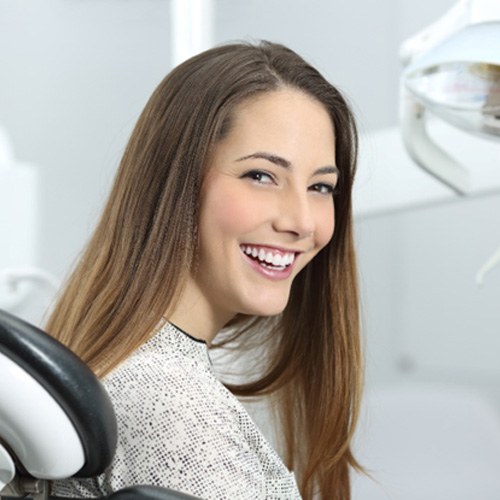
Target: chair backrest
56	419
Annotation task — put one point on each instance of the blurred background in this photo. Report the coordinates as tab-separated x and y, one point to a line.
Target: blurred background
74	76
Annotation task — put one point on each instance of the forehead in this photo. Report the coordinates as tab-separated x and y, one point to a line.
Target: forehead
287	119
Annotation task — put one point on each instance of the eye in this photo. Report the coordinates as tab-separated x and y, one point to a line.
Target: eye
325	188
259	176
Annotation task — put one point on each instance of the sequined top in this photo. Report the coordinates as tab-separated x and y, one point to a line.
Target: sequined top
180	428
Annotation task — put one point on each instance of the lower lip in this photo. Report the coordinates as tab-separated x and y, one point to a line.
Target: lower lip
273	274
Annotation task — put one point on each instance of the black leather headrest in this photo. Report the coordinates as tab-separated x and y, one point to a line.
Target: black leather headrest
143	492
71	383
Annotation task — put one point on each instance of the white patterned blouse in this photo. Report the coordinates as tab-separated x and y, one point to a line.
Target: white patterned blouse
180	428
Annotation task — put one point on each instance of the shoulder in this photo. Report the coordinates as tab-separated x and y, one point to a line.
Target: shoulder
149	376
172	396
177	427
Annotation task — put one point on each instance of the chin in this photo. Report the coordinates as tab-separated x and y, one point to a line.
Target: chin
266	308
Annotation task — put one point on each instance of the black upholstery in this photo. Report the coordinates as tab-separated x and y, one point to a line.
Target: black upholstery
148	493
71	383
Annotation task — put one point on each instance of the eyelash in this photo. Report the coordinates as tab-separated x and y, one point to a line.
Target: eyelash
330	189
322	188
256	175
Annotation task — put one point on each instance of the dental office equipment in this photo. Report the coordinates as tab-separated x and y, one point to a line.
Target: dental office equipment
492	262
56	419
18	226
453	71
12	291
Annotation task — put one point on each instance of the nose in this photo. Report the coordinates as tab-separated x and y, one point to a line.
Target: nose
295	215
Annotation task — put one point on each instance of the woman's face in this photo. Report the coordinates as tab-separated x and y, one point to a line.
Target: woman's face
267	207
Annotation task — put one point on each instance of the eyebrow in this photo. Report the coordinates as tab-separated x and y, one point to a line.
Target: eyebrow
282	162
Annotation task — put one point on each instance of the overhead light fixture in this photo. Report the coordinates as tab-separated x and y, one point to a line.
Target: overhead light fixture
452	71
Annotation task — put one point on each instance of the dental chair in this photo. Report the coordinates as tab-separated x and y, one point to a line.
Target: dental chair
56	419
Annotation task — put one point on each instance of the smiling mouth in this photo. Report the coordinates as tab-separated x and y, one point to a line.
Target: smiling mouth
269	258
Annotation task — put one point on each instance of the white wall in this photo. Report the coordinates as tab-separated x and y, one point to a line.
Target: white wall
352	42
426	318
74	77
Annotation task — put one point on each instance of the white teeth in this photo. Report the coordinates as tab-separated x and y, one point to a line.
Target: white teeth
277	260
273	259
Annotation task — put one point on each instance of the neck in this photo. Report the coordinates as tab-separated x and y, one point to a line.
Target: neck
197	315
193	314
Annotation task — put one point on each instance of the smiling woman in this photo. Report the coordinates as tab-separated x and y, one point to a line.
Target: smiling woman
277	204
230	213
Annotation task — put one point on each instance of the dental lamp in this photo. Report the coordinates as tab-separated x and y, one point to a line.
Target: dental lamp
452	70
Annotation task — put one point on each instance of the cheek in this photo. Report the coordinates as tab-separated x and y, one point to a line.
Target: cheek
229	213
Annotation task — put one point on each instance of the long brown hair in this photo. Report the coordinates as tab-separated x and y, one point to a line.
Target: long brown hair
145	244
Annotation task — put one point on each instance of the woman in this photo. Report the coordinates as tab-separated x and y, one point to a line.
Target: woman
231	210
